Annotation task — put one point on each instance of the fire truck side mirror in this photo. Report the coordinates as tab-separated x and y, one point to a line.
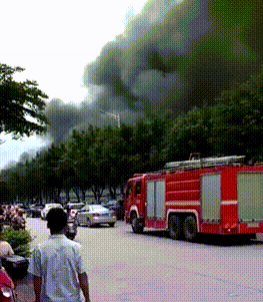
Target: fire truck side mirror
129	190
138	188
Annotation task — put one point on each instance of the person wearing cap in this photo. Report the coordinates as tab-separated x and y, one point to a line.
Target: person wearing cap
57	265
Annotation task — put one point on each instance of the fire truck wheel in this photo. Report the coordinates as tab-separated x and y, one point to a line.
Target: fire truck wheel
137	227
190	228
175	227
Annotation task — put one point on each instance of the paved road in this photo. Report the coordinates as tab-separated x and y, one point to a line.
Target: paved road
126	267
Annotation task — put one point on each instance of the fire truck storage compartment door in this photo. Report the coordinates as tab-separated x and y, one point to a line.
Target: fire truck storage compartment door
250	196
156	199
150	199
211	197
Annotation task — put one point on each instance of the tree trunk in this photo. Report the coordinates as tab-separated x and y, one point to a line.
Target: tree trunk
76	191
113	191
97	192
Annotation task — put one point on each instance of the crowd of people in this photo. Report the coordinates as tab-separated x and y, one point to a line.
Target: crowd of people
12	215
57	264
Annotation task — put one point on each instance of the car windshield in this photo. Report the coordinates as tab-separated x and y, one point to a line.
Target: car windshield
51	205
85	208
75	205
97	207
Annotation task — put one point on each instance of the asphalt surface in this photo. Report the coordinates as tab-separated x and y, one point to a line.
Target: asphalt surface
123	266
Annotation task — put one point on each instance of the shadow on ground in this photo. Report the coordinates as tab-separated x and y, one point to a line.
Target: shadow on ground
24	289
210	239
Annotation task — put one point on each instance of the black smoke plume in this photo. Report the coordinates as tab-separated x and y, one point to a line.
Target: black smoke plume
175	55
172	56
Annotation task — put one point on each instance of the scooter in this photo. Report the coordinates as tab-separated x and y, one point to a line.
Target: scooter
7	287
72	226
71	230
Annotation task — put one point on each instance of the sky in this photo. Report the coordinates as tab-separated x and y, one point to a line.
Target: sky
54	41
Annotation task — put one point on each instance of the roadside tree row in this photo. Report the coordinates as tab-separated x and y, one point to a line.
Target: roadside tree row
96	159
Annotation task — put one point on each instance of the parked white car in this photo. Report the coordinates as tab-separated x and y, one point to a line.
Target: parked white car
49	206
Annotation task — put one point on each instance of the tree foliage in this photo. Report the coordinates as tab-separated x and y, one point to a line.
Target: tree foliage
99	158
22	104
191	132
20	241
239	119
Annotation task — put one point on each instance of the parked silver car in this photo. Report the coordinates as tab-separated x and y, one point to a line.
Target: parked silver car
95	214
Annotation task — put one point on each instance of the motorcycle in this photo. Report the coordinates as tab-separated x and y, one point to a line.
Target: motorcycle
7	287
71	230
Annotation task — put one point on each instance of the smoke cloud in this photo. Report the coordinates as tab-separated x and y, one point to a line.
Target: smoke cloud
175	55
172	56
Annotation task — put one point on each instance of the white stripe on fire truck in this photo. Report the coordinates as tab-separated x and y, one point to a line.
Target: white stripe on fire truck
197	202
183	203
228	202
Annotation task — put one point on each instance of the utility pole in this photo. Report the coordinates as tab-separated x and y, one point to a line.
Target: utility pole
116	116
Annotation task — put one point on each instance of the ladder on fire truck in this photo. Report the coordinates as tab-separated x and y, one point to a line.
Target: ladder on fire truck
195	162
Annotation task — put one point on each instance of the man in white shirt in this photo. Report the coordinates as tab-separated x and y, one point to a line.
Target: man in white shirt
57	265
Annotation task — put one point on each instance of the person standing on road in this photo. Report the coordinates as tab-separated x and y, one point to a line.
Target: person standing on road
57	265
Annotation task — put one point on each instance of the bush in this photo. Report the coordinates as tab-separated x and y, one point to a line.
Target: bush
20	241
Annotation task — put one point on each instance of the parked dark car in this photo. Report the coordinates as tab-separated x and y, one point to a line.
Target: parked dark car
117	206
35	210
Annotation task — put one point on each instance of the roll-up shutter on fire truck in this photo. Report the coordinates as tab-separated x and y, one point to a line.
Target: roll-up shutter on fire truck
156	199
211	197
250	196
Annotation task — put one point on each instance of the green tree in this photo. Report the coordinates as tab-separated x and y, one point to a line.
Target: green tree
22	104
6	195
79	157
191	132
149	143
239	119
114	159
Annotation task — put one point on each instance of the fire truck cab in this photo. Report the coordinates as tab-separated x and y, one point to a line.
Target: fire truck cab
217	195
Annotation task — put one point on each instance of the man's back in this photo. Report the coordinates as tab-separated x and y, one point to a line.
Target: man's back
56	265
58	262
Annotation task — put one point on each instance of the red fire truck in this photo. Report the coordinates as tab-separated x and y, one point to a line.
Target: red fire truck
218	195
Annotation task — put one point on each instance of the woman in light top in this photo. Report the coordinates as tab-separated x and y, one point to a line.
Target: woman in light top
5	247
